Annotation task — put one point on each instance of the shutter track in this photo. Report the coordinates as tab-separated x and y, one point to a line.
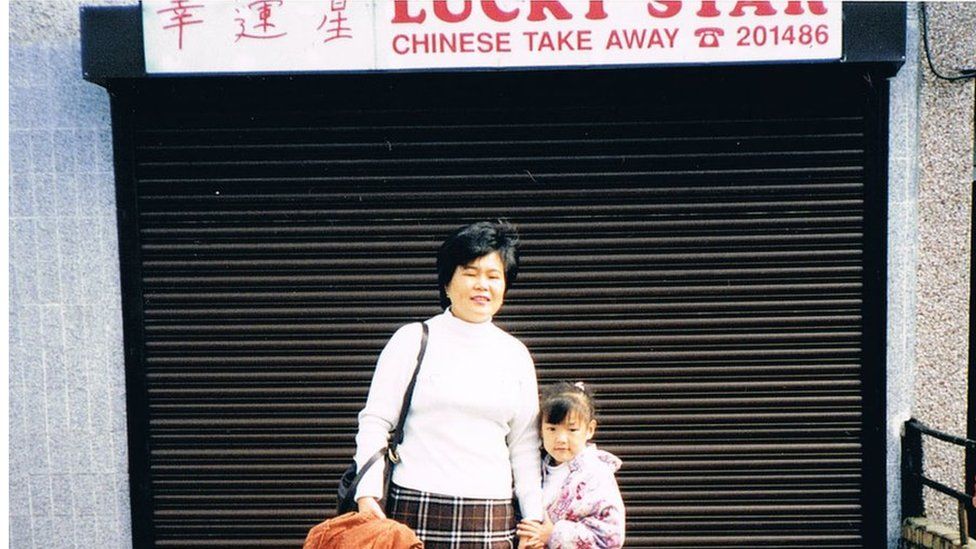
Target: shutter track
700	267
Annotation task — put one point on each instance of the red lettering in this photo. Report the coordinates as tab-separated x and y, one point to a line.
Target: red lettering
554	6
795	7
444	14
596	10
671	8
401	13
762	8
465	42
708	9
491	9
397	40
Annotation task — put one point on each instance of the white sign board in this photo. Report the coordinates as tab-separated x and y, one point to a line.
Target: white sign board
245	36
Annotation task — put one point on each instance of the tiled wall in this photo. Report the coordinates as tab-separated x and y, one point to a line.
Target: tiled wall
68	457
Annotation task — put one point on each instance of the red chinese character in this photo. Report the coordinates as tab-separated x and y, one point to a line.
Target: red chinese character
181	17
336	30
263	10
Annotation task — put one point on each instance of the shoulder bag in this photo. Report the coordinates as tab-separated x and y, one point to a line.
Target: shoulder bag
346	500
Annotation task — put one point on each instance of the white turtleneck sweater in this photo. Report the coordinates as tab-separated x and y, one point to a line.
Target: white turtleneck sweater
473	422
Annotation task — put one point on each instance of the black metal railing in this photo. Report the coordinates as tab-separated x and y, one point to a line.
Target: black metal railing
913	475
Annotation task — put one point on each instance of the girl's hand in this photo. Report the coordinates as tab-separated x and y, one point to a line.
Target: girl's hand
534	534
370	506
545	530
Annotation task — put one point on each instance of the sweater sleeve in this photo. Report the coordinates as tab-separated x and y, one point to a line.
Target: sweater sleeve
524	445
390	379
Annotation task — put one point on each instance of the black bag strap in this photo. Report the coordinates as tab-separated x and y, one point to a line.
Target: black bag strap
397	436
362	471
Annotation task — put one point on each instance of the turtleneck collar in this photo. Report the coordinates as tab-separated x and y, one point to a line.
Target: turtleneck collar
463	326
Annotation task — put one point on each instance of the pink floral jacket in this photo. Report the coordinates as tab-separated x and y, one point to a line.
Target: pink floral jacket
588	513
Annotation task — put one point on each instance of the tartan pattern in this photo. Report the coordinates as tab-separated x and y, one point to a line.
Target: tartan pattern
447	522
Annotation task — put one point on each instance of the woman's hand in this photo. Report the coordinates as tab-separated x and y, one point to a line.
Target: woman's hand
534	534
370	506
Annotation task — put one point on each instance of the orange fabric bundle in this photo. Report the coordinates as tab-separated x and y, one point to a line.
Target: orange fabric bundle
359	531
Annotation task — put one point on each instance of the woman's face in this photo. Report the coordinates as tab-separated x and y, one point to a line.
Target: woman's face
477	289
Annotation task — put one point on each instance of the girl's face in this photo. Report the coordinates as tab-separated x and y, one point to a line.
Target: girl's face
477	289
566	440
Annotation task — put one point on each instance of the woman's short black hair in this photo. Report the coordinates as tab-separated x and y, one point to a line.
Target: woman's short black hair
473	241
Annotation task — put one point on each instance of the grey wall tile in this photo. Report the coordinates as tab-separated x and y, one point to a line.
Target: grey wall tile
108	534
18	117
100	420
36	448
77	343
37	104
67	196
19	495
40	495
103	453
56	407
20	465
105	499
100	187
83	493
48	281
47	243
119	419
63	539
19	151
81	459
120	442
22	60
65	146
52	330
21	199
61	496
23	241
79	404
21	532
103	146
23	267
45	191
83	529
42	151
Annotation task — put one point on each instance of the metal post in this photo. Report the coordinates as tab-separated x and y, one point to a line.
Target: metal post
912	504
963	525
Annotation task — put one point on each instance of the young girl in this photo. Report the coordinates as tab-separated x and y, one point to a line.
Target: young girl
580	492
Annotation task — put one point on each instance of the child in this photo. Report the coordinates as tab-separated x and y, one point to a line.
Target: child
580	493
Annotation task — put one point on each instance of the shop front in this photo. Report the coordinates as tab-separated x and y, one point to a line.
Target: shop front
700	188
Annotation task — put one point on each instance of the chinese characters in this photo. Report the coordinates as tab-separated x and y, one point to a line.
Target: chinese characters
264	28
181	16
335	29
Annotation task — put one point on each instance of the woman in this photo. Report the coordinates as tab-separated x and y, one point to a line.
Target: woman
472	427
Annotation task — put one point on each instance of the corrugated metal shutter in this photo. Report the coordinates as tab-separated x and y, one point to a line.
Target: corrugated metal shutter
694	248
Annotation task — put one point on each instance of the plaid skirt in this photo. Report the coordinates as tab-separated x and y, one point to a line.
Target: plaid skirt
452	522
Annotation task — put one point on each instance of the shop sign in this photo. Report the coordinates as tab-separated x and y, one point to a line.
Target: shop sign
242	36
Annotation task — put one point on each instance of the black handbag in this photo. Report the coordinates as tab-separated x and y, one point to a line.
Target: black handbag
346	500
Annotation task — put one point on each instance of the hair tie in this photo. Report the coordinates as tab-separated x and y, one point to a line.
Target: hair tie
579	385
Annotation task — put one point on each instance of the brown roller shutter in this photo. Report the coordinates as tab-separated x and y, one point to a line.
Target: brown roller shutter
695	248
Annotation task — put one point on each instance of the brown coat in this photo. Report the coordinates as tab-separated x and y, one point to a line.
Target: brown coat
358	531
